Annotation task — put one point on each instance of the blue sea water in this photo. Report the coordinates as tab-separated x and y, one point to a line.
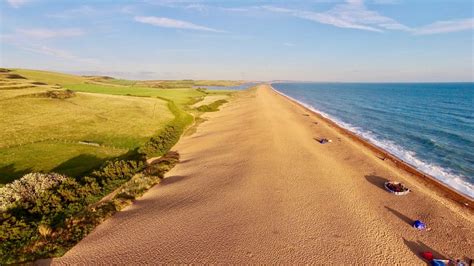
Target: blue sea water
428	125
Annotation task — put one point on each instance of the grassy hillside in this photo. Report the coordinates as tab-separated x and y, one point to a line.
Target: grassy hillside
48	77
46	129
98	132
71	135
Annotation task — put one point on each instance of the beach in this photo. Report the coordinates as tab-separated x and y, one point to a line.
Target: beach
255	186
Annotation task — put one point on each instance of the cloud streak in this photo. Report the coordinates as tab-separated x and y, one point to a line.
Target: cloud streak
446	26
173	23
353	15
62	54
44	33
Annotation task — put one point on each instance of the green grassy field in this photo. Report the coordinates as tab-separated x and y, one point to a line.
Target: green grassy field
179	96
105	119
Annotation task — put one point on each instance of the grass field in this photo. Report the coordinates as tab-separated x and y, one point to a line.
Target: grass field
105	119
48	77
179	96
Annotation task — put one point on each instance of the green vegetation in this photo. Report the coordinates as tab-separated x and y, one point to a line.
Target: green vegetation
110	80
52	78
223	83
72	159
181	97
37	211
44	215
168	136
213	107
45	133
187	83
96	134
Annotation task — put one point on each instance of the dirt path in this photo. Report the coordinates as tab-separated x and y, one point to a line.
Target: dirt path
253	186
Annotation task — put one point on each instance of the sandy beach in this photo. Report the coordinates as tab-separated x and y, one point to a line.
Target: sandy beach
254	186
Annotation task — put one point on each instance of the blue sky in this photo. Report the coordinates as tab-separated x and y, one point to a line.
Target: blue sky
314	40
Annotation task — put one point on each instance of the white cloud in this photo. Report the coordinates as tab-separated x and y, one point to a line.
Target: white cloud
41	49
289	44
351	14
446	26
43	33
172	23
17	3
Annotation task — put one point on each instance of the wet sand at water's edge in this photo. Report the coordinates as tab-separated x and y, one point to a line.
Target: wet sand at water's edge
254	186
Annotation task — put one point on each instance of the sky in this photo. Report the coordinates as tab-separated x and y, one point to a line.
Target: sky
313	40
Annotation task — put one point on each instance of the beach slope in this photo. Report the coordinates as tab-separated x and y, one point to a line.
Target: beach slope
254	186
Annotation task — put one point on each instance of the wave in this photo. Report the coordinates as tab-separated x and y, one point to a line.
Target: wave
457	182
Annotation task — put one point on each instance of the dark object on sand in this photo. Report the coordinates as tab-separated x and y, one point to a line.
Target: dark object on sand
324	141
396	188
419	225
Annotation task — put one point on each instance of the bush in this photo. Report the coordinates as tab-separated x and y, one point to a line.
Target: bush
117	170
15	76
213	107
28	189
166	138
162	165
36	207
203	90
56	94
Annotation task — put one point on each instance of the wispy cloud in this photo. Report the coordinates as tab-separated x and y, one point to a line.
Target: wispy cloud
44	33
59	53
173	23
35	40
17	3
352	14
446	26
79	12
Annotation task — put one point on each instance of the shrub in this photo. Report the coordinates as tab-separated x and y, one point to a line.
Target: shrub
162	165
213	107
203	90
57	94
166	138
117	170
28	189
37	207
15	76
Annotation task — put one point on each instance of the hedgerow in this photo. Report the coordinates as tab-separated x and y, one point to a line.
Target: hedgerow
166	138
212	107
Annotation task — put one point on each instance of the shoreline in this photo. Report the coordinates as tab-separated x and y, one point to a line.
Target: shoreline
431	182
253	186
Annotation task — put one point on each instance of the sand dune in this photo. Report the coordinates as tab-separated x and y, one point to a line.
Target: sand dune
253	186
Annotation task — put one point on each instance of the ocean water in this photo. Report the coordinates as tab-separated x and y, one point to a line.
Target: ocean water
428	125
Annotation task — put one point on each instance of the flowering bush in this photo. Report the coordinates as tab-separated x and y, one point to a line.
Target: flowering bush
28	189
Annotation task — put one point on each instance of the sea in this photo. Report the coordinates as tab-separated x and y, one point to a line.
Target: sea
428	125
